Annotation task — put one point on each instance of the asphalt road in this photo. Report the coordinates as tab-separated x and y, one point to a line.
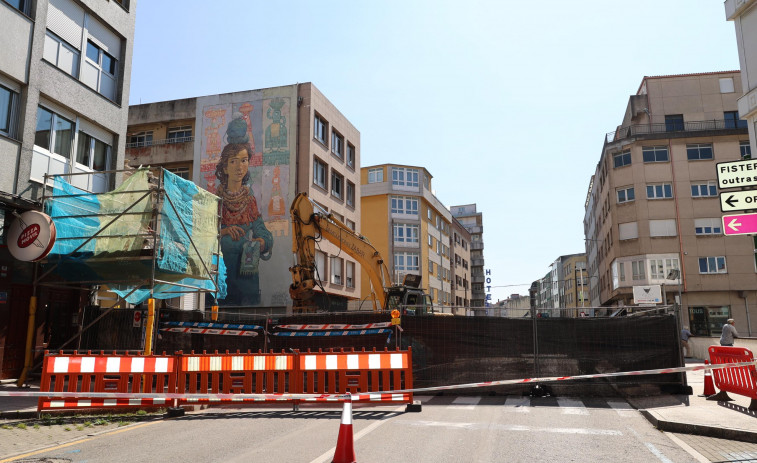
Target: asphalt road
449	429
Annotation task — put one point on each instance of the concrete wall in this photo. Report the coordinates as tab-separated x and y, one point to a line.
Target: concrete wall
699	345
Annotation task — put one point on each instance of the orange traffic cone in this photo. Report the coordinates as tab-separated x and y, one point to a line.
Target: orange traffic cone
709	387
345	452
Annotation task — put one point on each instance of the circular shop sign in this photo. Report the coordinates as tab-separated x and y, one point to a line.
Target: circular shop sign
31	236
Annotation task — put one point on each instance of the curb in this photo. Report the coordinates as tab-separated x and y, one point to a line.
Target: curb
700	430
18	415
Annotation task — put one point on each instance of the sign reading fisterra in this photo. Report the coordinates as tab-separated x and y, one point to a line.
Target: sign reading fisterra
651	294
736	174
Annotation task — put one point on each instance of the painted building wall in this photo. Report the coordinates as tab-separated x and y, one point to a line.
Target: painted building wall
374	217
256	187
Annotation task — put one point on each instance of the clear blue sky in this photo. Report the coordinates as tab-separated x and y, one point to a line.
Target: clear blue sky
505	102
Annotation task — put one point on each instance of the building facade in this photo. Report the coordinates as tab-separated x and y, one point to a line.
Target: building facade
473	222
295	141
460	243
653	215
408	225
743	13
64	88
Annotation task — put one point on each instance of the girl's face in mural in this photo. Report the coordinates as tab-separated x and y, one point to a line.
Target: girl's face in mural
237	167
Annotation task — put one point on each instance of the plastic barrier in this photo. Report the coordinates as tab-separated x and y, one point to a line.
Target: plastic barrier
106	373
740	380
237	373
358	373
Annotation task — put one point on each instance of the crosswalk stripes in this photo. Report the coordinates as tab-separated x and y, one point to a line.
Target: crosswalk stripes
572	406
525	404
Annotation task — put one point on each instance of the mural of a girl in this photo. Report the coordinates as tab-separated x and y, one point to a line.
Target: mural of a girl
245	240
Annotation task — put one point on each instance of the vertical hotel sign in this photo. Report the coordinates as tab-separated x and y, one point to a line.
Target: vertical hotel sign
488	301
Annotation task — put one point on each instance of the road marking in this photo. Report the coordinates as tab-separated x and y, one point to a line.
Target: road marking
329	454
657	453
572	406
621	408
77	441
465	403
510	427
687	448
518	404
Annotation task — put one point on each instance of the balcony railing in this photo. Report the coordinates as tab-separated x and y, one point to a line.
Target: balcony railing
477	245
674	127
168	141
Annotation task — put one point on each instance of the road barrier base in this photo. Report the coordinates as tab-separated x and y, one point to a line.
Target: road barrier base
721	396
414	407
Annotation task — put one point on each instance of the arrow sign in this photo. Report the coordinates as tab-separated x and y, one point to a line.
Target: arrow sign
738	200
740	224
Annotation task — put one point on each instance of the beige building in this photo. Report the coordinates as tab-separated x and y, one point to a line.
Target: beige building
300	143
653	215
472	220
460	243
409	226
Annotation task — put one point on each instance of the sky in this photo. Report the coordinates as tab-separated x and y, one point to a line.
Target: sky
506	103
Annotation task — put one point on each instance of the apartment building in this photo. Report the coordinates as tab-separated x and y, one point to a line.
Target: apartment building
296	141
743	13
460	244
64	84
653	214
409	226
570	284
472	220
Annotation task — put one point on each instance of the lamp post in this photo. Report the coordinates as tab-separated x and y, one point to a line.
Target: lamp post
675	274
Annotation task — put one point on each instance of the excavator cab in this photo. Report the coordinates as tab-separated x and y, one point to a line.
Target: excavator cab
409	301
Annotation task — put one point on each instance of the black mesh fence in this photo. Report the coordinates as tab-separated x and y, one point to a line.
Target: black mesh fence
448	349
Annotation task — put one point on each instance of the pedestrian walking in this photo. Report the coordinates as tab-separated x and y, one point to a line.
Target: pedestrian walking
729	333
685	335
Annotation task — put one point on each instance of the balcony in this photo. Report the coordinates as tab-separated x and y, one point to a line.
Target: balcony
676	129
477	262
161	151
477	279
478	245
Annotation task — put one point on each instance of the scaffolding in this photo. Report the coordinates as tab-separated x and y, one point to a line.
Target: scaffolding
156	236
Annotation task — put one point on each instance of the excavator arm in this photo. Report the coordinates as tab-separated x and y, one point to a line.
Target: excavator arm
310	226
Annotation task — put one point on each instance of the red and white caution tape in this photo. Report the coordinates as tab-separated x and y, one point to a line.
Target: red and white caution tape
394	395
209	331
335	326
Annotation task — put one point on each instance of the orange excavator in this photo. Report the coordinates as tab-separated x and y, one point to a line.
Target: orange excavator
311	224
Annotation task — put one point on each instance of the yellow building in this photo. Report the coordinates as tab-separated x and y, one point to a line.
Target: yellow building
409	226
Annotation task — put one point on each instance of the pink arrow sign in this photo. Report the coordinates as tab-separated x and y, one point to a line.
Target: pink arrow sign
740	224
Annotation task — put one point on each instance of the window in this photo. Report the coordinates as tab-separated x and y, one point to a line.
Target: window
61	55
430	241
705	189
320	265
350	194
336	270
732	120
699	151
406	177
405	233
404	205
625	195
621	267
319	129
712	265
350	224
674	122
21	5
659	191
8	112
139	139
746	149
350	274
101	74
708	226
430	266
337	144
319	173
406	262
656	269
180	134
726	85
337	184
637	270
92	152
350	155
655	153
628	231
621	159
376	175
182	172
664	227
54	133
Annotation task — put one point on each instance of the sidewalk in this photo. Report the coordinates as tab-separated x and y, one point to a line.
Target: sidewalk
691	414
18	407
